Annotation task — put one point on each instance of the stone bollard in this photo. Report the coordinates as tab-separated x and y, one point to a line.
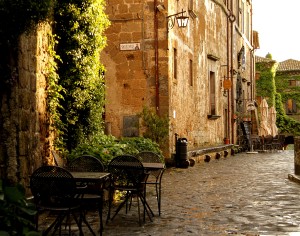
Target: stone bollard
297	155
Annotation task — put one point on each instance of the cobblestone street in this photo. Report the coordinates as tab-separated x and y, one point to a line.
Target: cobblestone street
245	194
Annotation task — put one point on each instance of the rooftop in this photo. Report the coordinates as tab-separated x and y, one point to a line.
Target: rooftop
289	65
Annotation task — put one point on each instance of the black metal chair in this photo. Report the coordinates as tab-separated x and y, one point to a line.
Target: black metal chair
54	189
268	142
128	175
92	193
278	142
151	157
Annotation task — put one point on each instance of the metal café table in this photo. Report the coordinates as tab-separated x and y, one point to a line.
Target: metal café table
153	165
93	177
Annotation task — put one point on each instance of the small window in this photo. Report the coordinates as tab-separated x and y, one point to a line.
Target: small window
175	63
212	90
291	106
191	73
292	82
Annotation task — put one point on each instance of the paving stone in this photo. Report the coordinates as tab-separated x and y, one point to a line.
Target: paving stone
244	194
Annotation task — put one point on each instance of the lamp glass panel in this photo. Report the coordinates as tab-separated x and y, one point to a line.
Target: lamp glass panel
182	21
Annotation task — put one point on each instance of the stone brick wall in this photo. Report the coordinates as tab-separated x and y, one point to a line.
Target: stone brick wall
131	75
24	124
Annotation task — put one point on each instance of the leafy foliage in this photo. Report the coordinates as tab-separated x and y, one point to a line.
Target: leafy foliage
80	25
265	86
157	128
107	147
276	94
16	213
285	123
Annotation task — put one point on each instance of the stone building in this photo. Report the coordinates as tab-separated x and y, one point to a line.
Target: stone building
199	75
287	84
286	76
24	123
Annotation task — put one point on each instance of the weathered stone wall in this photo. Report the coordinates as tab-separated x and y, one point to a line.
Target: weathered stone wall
24	123
131	74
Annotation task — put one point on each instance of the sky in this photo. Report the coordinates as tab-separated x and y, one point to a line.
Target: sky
278	25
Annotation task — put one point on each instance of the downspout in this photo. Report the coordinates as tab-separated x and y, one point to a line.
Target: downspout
156	58
228	76
231	71
252	66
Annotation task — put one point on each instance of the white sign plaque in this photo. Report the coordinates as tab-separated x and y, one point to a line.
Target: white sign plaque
130	46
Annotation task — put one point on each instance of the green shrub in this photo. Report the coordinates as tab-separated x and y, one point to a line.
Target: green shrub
107	147
16	213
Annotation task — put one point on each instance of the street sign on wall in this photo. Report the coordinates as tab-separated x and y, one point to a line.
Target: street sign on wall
130	46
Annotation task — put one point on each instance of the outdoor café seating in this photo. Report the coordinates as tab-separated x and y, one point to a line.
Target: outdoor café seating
151	157
128	175
54	190
91	192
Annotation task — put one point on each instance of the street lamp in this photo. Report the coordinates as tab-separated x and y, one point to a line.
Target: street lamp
181	19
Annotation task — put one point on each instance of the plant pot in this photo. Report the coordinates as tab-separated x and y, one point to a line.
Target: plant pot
226	141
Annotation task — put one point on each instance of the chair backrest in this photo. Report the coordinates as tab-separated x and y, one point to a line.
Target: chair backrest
127	170
268	139
86	163
52	186
147	156
57	159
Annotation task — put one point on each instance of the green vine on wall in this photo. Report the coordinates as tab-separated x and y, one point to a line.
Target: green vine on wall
54	91
265	86
287	91
284	123
80	26
275	90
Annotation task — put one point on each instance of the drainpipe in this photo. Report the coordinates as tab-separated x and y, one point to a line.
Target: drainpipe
228	76
156	58
231	70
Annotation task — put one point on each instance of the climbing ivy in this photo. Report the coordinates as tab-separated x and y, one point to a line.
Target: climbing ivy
285	123
274	89
80	26
287	91
265	86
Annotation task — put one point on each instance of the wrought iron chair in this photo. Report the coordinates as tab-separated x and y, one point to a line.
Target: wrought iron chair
128	175
54	189
92	193
149	157
278	142
268	141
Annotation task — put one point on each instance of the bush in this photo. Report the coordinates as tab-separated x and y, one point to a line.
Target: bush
107	147
16	213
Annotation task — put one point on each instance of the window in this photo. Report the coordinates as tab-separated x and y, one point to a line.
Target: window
292	82
243	17
175	64
291	106
212	91
191	73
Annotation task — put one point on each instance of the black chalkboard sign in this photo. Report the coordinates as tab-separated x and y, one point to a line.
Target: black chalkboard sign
246	129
